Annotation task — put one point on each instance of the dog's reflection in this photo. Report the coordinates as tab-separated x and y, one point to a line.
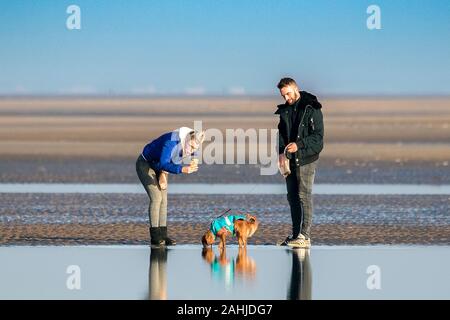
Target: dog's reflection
226	270
245	266
301	278
157	274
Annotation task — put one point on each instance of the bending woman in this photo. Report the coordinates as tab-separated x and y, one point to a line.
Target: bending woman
162	156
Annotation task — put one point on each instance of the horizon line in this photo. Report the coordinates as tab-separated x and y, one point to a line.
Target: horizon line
216	96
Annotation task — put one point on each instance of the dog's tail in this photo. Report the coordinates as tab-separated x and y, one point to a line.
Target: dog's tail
249	220
255	222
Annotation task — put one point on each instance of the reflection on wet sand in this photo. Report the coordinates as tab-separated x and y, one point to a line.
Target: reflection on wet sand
245	266
301	278
226	270
157	274
230	271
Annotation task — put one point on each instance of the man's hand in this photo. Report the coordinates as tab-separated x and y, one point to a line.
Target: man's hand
292	147
193	167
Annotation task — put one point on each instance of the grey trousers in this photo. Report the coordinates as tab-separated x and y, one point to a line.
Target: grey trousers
157	208
299	194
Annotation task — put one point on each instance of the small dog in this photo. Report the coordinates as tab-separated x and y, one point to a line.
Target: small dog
241	226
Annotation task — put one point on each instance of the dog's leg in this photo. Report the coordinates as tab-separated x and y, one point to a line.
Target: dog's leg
239	238
223	255
222	242
242	253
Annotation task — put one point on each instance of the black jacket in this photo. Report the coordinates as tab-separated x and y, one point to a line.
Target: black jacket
310	132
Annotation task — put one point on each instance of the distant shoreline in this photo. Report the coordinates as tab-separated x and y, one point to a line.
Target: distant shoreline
228	97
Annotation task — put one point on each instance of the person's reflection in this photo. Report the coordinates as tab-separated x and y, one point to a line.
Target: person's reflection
157	274
301	278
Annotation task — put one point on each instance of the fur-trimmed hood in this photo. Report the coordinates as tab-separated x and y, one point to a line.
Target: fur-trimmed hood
306	98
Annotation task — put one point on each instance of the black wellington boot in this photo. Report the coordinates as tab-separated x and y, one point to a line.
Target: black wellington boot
165	238
155	236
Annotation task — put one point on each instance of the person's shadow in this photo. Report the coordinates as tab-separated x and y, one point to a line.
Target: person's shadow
300	287
157	274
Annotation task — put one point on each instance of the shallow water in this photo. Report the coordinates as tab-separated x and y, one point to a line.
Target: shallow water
231	188
263	272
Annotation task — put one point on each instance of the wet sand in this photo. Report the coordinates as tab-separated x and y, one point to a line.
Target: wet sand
190	233
56	219
259	273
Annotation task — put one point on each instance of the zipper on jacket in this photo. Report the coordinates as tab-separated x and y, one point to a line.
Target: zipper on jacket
303	117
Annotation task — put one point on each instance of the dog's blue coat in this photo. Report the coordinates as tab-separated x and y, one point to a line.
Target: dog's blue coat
225	221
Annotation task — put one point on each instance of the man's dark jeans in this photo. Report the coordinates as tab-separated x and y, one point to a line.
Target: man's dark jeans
299	194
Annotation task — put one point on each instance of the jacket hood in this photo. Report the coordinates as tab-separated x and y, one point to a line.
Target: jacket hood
183	150
306	98
179	152
181	134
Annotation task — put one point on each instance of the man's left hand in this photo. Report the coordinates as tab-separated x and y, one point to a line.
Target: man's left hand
292	147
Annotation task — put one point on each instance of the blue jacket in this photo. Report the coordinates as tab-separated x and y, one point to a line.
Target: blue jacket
159	153
225	221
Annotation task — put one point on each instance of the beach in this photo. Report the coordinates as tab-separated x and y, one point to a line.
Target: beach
383	141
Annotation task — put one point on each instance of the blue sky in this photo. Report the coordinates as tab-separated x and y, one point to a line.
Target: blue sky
224	47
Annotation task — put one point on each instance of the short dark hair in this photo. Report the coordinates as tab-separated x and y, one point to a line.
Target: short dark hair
286	82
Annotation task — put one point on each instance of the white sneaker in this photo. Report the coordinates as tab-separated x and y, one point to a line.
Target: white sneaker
290	238
299	242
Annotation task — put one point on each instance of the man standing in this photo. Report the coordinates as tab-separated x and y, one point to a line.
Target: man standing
300	139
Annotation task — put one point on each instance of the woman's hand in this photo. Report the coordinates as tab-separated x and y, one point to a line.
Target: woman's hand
193	167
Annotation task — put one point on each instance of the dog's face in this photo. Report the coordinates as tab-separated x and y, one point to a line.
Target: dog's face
208	239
